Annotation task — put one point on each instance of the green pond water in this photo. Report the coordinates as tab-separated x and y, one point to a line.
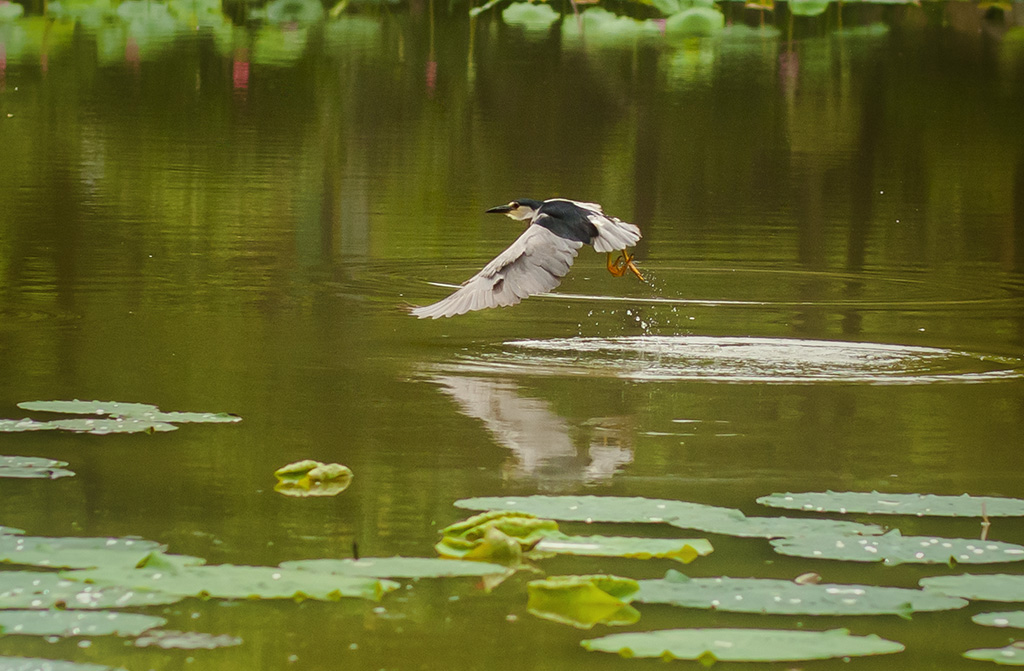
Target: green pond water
216	218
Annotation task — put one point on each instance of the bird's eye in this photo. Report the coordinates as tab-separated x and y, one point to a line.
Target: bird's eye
513	204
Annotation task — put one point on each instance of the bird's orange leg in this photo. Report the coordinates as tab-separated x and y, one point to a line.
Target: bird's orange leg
624	262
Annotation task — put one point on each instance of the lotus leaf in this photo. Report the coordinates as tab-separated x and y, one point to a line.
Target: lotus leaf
36	664
143	412
992	587
920	505
19	425
529	16
1011	618
583	600
682	514
893	548
75	623
523	526
312	478
1011	655
74	552
34	589
185	640
397	567
32	467
742	645
226	581
684	550
808	7
496	546
783	597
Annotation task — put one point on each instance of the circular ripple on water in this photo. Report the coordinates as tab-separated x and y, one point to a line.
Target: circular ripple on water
763	360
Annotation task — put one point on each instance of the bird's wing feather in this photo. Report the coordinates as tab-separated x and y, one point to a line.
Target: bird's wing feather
613	234
536	262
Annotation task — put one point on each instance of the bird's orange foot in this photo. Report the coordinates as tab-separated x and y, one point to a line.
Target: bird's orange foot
620	265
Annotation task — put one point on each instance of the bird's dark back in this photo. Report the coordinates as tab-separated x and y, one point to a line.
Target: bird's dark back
566	220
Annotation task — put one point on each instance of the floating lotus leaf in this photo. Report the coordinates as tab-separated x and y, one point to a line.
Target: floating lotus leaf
1010	618
74	552
185	640
397	567
36	664
19	425
10	531
808	7
525	527
227	581
1011	655
495	546
96	426
893	548
143	412
76	623
531	17
684	550
583	600
33	467
682	514
783	597
742	645
312	478
991	587
920	505
35	590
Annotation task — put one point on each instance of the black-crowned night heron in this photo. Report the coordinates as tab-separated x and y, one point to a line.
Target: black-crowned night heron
538	260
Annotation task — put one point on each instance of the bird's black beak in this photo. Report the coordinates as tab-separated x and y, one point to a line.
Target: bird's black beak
501	209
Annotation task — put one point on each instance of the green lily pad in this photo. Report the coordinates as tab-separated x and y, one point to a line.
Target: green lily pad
397	567
784	597
582	601
742	645
19	425
76	623
74	552
36	590
873	503
1011	655
1010	618
33	467
185	640
226	581
991	587
894	548
312	478
684	550
144	412
37	664
682	514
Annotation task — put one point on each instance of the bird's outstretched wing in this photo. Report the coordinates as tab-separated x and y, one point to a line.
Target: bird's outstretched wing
613	234
536	262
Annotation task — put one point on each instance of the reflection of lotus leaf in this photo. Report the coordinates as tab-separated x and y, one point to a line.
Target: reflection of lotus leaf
529	16
894	548
874	503
743	645
350	33
76	623
808	7
279	46
695	22
31	663
784	597
10	11
88	13
186	640
995	587
583	600
299	12
602	27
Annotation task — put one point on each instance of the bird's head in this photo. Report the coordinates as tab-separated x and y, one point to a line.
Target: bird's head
521	210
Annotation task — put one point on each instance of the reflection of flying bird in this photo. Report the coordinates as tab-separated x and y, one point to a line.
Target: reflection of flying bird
538	260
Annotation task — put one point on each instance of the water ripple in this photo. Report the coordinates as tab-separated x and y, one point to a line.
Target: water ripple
736	359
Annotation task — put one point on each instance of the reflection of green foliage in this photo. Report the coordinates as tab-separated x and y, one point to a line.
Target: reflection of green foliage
695	22
276	45
29	38
10	11
296	12
808	7
89	13
601	27
349	32
529	16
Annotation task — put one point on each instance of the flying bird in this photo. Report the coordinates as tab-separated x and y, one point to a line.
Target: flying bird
539	258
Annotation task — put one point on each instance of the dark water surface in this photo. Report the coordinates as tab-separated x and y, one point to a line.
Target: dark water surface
231	220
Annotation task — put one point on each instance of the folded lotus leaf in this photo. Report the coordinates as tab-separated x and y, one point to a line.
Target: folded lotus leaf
583	600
